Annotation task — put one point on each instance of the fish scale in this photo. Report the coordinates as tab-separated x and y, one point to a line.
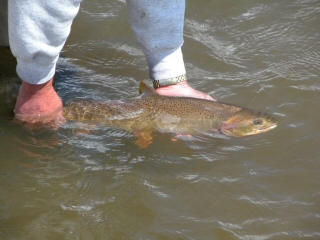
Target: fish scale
186	115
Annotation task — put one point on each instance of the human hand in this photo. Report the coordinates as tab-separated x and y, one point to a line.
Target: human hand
182	89
38	104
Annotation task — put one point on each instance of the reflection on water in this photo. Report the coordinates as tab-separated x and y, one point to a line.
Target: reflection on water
93	182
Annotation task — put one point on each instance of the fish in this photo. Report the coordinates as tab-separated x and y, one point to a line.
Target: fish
151	112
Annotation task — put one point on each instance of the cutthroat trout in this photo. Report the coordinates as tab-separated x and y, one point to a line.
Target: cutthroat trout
151	112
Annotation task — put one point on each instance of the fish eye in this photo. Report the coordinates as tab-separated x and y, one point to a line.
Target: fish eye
258	121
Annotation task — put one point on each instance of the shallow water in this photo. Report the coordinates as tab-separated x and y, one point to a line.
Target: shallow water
74	184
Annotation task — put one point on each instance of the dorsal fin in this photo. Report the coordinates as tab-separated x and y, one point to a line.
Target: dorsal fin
145	88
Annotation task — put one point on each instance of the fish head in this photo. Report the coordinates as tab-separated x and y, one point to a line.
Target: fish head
248	122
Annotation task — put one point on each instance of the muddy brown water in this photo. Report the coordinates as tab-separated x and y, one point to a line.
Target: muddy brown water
74	184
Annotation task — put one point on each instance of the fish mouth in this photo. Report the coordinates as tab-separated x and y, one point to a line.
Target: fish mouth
256	131
267	128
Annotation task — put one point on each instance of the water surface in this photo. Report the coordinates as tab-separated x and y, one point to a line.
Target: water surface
71	183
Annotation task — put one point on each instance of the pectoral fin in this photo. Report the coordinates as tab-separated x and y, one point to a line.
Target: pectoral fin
144	138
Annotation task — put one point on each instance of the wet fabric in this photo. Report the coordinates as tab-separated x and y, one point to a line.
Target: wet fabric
38	31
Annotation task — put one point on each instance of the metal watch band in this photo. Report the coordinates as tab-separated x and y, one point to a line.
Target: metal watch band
169	81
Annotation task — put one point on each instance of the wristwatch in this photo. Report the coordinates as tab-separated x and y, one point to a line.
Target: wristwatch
169	81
